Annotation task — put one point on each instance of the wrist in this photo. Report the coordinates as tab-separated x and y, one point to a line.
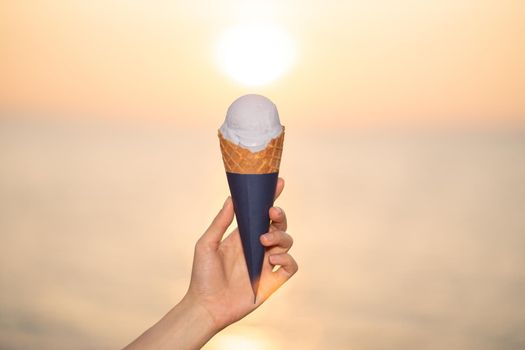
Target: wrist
187	326
191	324
196	315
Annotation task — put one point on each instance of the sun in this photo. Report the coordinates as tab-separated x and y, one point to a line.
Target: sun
255	54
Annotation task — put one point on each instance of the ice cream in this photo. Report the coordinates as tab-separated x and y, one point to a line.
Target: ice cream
251	141
252	121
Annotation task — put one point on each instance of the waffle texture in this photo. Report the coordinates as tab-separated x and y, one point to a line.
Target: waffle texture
242	161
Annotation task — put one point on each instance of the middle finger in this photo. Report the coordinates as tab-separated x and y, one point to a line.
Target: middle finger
277	241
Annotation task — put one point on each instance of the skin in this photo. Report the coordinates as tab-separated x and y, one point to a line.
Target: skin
220	292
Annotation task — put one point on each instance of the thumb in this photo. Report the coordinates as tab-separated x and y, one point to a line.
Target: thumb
222	221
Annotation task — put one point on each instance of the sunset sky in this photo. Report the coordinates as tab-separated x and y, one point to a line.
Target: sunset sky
356	62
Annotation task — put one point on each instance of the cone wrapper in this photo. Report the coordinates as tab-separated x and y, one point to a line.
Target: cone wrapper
252	178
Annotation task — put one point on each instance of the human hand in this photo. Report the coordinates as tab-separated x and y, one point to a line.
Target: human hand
219	280
220	291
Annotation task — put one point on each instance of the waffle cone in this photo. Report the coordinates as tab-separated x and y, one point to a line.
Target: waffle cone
240	160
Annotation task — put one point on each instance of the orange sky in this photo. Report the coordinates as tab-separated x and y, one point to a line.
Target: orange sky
374	62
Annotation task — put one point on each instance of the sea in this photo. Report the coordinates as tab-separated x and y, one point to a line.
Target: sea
406	238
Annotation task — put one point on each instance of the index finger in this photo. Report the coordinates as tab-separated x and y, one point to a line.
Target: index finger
278	217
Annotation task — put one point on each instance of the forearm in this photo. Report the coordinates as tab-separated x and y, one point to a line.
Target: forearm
187	326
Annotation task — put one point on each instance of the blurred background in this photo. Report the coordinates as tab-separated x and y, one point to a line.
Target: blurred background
404	161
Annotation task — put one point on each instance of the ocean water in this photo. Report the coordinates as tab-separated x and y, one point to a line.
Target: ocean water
405	239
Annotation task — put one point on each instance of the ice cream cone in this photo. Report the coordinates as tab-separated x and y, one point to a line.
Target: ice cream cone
240	160
252	178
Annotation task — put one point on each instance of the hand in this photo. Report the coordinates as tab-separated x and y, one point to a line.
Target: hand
220	292
220	282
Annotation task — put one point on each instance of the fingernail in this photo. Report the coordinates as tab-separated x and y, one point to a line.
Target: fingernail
268	237
272	259
279	210
225	202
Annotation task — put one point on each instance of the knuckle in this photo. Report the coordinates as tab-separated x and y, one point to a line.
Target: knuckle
200	244
290	239
279	234
281	237
294	266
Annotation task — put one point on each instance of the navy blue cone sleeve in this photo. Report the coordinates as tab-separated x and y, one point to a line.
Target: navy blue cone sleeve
253	196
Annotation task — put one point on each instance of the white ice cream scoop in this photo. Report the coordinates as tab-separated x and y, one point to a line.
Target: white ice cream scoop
252	121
